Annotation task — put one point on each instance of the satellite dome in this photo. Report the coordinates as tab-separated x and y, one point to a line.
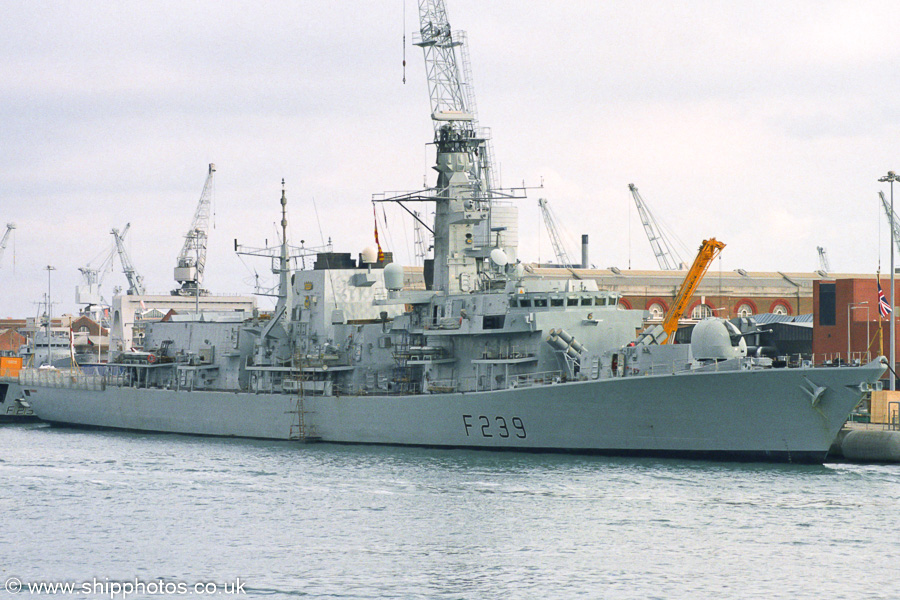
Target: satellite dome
499	258
370	255
393	277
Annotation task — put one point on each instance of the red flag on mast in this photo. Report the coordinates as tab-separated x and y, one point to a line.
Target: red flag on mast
380	253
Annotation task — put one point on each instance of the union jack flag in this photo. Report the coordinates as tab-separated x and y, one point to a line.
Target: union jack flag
884	307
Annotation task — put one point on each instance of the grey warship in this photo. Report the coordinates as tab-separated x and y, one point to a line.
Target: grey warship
487	356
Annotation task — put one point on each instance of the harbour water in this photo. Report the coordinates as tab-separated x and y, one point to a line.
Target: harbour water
330	521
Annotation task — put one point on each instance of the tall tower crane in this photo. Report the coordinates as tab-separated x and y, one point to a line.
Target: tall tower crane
893	221
3	242
89	293
192	258
559	249
823	260
135	281
465	181
668	259
452	98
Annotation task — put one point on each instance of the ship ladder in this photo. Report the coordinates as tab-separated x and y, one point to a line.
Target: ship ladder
300	430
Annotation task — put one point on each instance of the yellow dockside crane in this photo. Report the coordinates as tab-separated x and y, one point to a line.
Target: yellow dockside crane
665	333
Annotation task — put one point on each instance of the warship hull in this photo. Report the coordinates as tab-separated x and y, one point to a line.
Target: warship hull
12	408
789	415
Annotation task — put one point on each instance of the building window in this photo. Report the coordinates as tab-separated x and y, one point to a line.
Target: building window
701	311
781	310
745	310
827	306
656	311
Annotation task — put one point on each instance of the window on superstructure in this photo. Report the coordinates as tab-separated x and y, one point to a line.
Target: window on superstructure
587	301
571	301
493	321
525	302
540	303
556	301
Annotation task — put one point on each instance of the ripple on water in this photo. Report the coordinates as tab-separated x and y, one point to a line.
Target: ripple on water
360	522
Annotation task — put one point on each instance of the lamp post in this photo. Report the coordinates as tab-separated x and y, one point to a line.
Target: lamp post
854	306
892	177
50	269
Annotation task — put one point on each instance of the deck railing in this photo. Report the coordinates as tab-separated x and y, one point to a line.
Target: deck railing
72	380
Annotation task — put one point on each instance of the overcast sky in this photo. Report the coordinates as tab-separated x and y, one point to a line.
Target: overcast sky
764	124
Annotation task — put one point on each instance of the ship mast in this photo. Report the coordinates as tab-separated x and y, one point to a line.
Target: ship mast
278	326
285	293
463	191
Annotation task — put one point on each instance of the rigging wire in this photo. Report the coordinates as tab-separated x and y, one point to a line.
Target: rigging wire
322	238
388	236
404	42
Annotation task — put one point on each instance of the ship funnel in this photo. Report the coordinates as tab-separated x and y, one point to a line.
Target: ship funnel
585	263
